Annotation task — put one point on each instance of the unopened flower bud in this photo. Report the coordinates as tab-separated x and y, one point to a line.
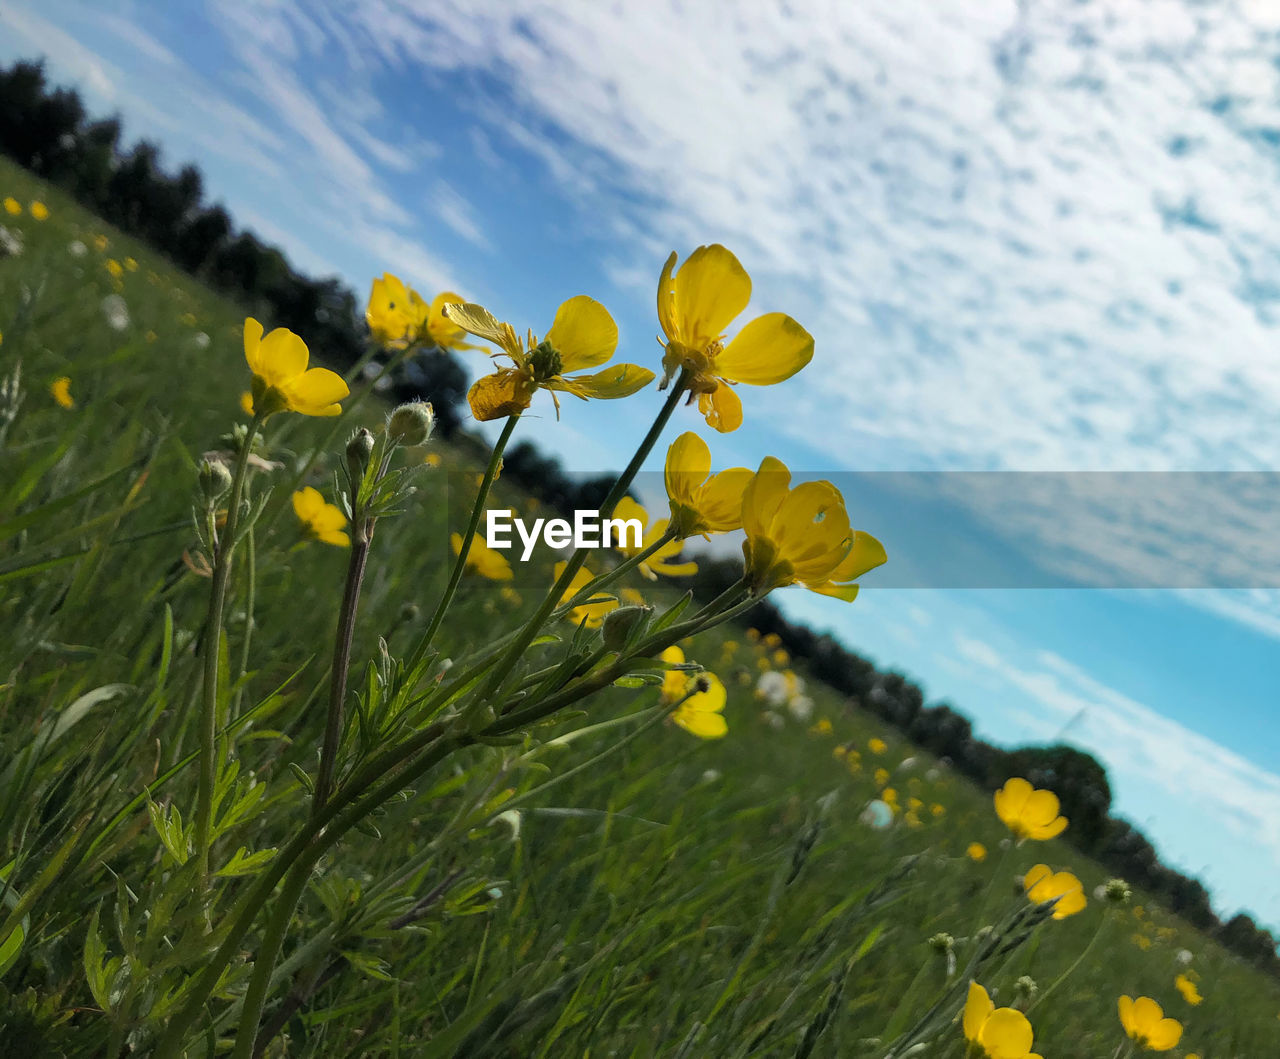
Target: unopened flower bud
702	684
1025	988
215	479
412	423
621	623
942	942
359	449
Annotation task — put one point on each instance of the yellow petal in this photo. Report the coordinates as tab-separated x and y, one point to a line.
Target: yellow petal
687	466
478	321
1125	1006
1041	808
703	725
316	392
712	288
768	350
722	409
618	380
1010	799
306	503
443	331
865	554
667	299
1007	1034
720	500
282	356
252	342
504	393
1044	832
584	334
1146	1014
1033	882
334	537
1164	1035
977	1009
764	496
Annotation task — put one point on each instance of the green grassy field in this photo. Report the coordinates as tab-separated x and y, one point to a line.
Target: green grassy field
627	890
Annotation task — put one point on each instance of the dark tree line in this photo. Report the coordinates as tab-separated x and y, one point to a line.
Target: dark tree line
48	131
1079	780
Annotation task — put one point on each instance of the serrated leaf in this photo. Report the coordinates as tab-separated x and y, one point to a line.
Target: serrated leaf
245	863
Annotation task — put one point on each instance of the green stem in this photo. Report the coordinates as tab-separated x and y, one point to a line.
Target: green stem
460	563
1106	919
210	750
499	673
250	592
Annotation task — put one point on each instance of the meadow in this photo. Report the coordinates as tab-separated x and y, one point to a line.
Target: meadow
598	882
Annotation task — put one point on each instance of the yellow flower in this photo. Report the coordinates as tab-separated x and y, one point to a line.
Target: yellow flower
802	535
657	563
1143	1020
1027	812
1043	884
482	559
593	614
976	852
39	211
877	746
1000	1033
130	264
189	319
432	459
100	242
702	502
12	206
702	713
246	403
281	378
583	335
890	797
881	777
61	391
320	520
1188	989
398	316
822	727
115	268
695	305
1142	941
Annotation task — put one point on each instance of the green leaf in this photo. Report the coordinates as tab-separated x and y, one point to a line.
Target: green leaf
246	863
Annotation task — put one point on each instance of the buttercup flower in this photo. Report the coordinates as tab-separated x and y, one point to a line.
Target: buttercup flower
1143	1020
320	520
39	211
12	206
802	536
583	335
996	1033
976	852
657	563
877	745
701	714
398	316
482	559
1190	993
695	305
1043	884
60	389
281	379
702	502
1027	812
591	613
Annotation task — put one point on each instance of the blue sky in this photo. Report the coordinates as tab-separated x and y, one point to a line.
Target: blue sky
1026	237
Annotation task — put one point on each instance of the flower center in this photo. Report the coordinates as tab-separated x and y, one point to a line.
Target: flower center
546	362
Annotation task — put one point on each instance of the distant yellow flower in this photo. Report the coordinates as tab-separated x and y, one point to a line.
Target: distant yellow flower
320	520
771	640
482	559
593	614
695	305
1043	884
702	713
1144	1022
822	727
115	268
937	809
1028	812
877	745
890	797
657	563
976	852
130	264
1188	989
432	459
802	536
39	211
398	316
189	319
583	335
881	776
702	502
281	379
1142	941
12	206
999	1033
61	390
100	242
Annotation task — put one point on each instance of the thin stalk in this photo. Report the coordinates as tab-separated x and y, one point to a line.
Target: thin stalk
210	749
460	563
1106	920
576	560
250	592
